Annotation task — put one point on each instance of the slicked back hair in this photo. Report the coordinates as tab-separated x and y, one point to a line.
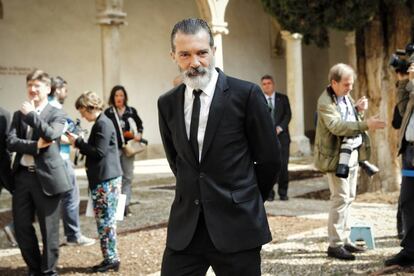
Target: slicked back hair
190	26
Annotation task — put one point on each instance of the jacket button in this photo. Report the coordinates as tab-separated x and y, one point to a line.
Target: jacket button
196	202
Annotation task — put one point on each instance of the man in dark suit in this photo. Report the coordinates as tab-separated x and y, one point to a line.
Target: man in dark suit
280	112
5	177
221	146
39	174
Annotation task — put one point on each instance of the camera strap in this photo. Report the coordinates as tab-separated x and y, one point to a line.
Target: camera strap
121	133
407	173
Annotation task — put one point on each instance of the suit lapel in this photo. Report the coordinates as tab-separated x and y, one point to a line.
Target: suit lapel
181	134
215	112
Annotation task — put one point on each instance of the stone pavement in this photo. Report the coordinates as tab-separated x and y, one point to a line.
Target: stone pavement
299	254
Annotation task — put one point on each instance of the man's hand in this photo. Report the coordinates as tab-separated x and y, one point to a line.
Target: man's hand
278	130
401	76
42	143
27	107
375	122
362	104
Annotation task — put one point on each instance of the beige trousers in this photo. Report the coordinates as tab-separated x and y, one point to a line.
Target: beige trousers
343	192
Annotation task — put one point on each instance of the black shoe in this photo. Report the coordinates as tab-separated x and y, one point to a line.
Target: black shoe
271	196
400	236
400	259
106	265
354	248
284	198
340	253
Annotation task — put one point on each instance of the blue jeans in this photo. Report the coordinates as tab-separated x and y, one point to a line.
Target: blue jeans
70	207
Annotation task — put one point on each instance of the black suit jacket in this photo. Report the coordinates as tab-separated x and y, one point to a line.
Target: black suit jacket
5	171
237	168
283	115
50	168
101	150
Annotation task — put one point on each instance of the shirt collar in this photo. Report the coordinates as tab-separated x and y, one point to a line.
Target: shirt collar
40	108
271	96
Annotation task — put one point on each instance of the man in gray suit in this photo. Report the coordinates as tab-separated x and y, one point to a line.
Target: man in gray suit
39	174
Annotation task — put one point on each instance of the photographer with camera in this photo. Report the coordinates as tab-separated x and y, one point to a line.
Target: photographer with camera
405	107
340	117
70	199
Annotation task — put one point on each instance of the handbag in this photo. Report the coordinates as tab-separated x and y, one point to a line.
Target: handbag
131	147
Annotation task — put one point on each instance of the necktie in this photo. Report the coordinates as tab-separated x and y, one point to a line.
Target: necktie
195	117
271	107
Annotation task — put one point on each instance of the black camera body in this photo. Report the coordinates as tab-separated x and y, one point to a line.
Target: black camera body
401	65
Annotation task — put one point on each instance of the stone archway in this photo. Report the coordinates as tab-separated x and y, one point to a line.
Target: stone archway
213	11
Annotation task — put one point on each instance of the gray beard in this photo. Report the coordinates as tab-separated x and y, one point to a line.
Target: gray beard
201	81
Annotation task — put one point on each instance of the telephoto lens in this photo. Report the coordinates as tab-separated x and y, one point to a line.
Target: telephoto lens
342	170
369	169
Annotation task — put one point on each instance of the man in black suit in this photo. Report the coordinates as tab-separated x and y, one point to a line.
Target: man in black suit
221	146
5	177
39	174
280	112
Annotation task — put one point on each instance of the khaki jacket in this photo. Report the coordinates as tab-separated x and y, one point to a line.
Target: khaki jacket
330	131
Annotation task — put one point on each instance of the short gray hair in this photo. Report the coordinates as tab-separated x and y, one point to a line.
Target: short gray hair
340	70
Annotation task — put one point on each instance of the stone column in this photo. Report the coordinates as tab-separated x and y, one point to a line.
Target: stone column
110	18
213	12
218	31
350	43
300	145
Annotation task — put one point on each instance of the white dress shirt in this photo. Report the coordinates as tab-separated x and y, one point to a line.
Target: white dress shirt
27	159
348	115
205	102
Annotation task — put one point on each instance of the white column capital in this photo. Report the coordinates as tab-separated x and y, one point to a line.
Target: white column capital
109	12
219	28
286	35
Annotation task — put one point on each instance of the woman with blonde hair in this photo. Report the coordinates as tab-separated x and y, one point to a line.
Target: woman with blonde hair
104	173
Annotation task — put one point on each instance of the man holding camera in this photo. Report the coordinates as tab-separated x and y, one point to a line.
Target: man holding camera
70	199
405	105
339	117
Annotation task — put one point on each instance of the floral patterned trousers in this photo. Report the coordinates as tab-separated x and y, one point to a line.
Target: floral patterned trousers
105	201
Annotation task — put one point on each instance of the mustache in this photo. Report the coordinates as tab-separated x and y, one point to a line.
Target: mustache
193	72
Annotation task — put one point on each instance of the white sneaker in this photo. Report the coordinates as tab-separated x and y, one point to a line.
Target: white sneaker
82	241
9	230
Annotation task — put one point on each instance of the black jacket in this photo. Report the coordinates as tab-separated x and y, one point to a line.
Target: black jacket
5	171
130	112
101	151
237	168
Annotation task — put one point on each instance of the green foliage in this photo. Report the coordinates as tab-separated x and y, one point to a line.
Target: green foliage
312	18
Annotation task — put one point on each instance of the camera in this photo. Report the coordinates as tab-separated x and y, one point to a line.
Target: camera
75	127
342	170
369	169
401	65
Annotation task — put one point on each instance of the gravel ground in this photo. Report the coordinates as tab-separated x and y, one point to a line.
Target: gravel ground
298	227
